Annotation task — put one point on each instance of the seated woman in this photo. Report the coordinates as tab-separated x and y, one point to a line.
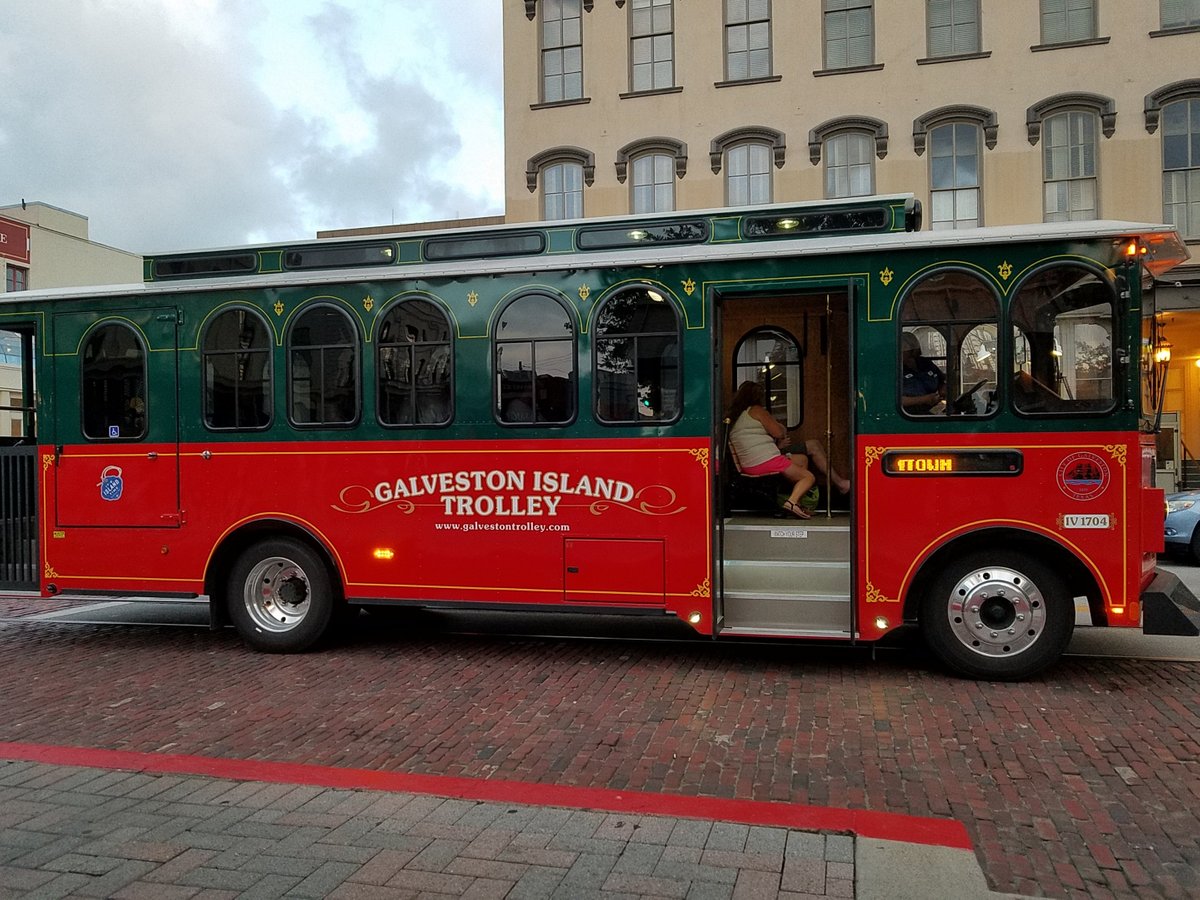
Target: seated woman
755	437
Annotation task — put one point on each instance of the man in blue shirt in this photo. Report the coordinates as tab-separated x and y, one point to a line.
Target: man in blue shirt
923	387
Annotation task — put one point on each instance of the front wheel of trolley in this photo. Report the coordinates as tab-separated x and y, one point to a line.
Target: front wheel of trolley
997	615
281	596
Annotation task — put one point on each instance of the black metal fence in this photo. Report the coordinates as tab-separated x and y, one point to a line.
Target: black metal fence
18	518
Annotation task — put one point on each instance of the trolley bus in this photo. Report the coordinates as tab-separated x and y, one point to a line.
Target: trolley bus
532	417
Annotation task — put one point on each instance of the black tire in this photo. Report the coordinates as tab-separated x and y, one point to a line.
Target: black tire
1193	555
281	596
997	615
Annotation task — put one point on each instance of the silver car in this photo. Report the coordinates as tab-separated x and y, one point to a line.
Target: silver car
1182	535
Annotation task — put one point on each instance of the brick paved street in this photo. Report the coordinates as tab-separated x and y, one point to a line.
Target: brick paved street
1084	783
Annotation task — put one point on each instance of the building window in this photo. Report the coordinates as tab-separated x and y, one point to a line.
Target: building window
651	45
748	175
747	39
113	373
849	33
849	165
1069	166
954	176
637	359
656	162
562	191
953	27
534	362
1180	13
653	183
415	365
323	368
16	279
1065	21
562	50
1181	166
236	357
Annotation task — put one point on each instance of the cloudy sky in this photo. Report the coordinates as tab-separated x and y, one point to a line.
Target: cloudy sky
183	124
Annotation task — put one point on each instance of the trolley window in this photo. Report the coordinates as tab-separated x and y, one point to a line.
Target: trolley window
237	371
637	359
323	368
535	362
415	365
113	374
947	346
1062	320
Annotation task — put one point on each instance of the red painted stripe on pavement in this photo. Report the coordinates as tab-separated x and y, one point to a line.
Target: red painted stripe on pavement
863	823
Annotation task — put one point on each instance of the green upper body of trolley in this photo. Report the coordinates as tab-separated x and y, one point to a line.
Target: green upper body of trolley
686	259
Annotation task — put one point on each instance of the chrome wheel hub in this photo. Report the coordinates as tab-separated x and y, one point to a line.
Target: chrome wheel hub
996	612
277	594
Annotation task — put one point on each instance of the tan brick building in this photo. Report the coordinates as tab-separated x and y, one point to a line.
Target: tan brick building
992	112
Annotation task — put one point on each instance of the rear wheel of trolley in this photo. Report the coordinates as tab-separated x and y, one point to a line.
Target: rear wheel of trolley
281	596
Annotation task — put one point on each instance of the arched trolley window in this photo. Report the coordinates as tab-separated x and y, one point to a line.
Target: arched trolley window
637	376
323	386
236	357
773	358
534	355
415	365
1063	336
113	389
947	346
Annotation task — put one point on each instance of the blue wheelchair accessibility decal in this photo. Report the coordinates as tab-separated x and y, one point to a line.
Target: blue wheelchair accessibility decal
111	484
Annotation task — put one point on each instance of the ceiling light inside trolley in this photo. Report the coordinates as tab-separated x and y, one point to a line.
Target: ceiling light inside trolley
638	234
787	224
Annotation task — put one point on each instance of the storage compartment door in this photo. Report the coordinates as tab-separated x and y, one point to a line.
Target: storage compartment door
628	572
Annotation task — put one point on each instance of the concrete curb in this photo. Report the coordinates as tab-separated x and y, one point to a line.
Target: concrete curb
893	870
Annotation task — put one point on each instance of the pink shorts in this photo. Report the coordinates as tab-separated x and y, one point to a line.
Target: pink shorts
770	467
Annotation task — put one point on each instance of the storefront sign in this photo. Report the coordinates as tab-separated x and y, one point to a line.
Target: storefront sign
14	240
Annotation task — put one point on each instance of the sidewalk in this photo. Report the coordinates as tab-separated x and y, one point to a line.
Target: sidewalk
93	823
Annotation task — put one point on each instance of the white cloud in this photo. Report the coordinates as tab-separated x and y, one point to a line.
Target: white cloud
188	124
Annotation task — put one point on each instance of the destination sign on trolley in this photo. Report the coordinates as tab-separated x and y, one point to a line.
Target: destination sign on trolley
952	462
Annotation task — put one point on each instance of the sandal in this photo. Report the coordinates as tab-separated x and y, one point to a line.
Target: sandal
796	510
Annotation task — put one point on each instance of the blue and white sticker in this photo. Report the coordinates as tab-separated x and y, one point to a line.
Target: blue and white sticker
111	483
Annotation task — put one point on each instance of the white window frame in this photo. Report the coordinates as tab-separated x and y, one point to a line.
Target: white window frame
748	177
562	191
961	191
1070	153
652	186
847	155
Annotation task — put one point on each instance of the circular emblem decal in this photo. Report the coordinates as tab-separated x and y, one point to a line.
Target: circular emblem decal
1083	476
